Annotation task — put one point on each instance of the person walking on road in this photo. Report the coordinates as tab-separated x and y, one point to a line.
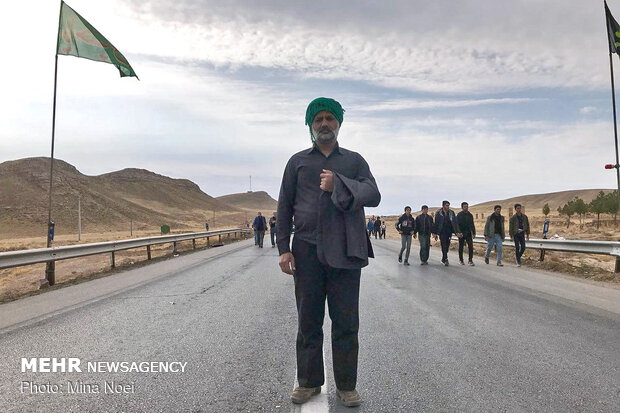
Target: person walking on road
445	226
405	227
519	230
370	226
377	227
494	234
382	230
260	226
272	230
325	188
465	222
423	230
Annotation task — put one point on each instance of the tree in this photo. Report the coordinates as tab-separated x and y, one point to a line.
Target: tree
611	204
597	205
580	208
568	210
546	210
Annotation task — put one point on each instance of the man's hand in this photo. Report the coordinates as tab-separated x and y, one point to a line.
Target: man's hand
486	238
527	236
327	181
400	232
459	234
287	263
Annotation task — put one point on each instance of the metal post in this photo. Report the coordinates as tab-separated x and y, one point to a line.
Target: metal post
131	228
220	238
148	252
208	243
174	248
194	243
617	269
112	262
79	218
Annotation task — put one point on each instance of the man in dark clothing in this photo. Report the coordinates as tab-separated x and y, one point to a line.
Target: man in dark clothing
405	227
423	230
465	222
377	227
494	234
445	226
519	230
260	226
272	230
325	188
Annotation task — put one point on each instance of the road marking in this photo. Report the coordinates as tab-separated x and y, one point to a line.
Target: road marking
318	403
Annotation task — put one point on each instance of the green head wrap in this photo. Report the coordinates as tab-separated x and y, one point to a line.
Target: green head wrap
320	104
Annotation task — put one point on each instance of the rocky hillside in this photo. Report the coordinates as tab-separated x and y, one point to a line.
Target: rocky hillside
251	201
108	201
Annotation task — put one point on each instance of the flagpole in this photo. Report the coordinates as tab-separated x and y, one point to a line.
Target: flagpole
613	100
50	267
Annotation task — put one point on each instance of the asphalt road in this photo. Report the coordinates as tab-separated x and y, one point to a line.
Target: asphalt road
432	338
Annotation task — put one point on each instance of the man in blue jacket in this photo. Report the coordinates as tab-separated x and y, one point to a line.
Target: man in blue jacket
260	226
325	188
445	226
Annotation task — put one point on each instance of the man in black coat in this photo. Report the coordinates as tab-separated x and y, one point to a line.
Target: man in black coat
405	227
445	226
325	188
465	223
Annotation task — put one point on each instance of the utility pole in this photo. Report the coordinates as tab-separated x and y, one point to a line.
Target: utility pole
79	217
250	183
214	219
131	228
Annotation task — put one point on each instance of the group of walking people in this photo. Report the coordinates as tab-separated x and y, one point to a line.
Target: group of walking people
259	225
446	223
376	227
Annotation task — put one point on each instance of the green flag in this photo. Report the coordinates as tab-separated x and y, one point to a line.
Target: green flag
76	37
613	31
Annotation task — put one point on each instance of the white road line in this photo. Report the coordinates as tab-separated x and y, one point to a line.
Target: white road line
318	403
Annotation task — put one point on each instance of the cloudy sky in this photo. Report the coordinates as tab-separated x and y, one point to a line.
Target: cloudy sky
470	100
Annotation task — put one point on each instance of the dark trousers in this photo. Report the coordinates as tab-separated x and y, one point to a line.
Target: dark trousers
272	234
444	238
313	283
470	246
260	235
519	245
425	246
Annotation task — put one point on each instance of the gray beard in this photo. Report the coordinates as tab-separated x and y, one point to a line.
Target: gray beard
324	138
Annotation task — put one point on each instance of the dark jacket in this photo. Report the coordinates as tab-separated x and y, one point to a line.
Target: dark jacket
272	222
513	226
341	237
423	224
377	224
440	218
465	222
259	224
406	224
489	227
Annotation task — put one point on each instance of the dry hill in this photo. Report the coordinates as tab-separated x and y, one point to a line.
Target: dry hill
251	201
533	204
109	201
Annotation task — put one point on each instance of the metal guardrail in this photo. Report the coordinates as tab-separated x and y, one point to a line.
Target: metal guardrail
39	255
611	248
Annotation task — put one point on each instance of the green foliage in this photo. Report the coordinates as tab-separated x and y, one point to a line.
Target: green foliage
546	210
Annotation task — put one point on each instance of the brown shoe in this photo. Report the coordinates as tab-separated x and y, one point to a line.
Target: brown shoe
350	398
302	394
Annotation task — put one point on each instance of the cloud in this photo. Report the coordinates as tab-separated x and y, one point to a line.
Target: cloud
586	110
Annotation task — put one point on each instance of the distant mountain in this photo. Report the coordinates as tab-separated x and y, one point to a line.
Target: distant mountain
252	201
533	204
109	201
